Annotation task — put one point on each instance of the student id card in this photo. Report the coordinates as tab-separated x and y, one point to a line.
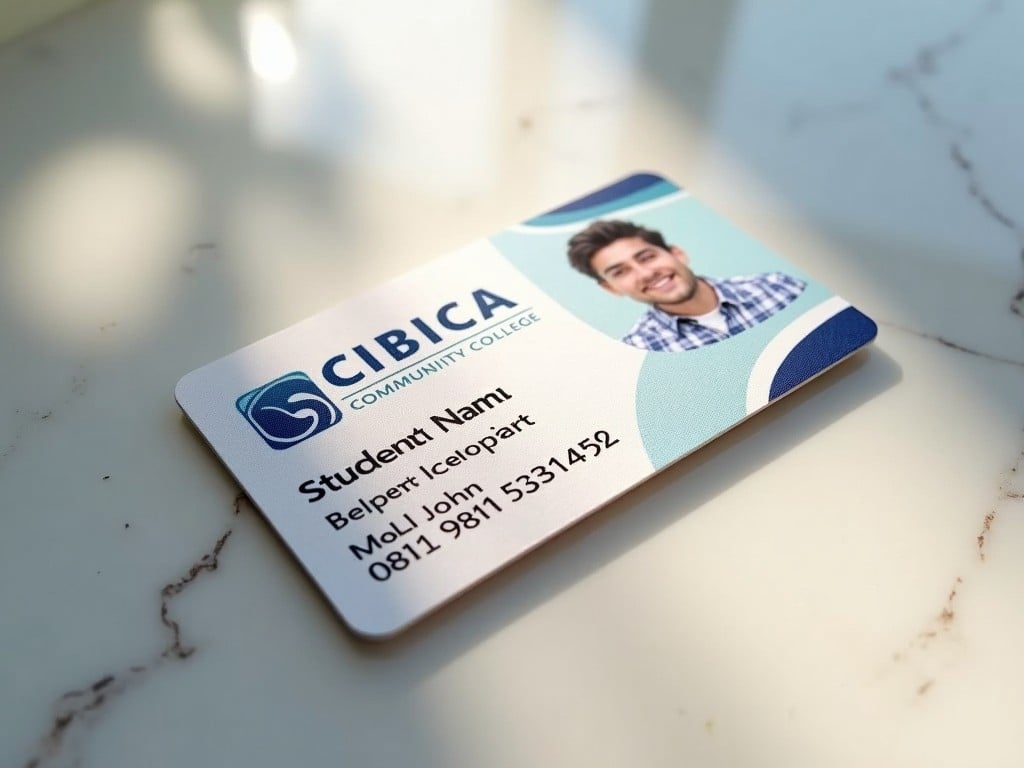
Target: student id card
409	442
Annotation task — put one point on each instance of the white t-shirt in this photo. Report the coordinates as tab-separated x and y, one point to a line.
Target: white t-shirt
714	320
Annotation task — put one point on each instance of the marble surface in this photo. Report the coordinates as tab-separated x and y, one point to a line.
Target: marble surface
17	19
832	584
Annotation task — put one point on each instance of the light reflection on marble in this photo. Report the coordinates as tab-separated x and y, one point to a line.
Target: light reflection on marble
834	583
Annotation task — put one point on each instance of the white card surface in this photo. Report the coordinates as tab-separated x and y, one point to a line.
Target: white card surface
409	442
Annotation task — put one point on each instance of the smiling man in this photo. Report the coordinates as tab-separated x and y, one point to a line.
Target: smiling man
686	311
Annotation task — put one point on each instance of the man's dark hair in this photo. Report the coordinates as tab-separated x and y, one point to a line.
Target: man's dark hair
601	233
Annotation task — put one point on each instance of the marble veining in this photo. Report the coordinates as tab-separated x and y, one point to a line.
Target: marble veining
914	76
1010	496
25	419
921	65
918	78
1009	500
953	345
198	253
81	708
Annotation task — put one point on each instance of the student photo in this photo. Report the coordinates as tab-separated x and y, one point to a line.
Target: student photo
684	310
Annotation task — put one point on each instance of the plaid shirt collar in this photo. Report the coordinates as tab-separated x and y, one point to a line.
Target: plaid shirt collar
743	301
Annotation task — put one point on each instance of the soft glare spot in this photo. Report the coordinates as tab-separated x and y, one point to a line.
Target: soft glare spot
190	59
271	49
97	236
435	125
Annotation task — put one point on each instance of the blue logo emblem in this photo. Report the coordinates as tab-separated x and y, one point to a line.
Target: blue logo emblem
288	410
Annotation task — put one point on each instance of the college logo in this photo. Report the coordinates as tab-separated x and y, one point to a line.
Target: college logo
288	410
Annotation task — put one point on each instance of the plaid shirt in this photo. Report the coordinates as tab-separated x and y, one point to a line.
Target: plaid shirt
744	302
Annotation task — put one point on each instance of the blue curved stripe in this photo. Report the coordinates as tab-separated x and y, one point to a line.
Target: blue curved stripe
826	345
614	191
632	190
